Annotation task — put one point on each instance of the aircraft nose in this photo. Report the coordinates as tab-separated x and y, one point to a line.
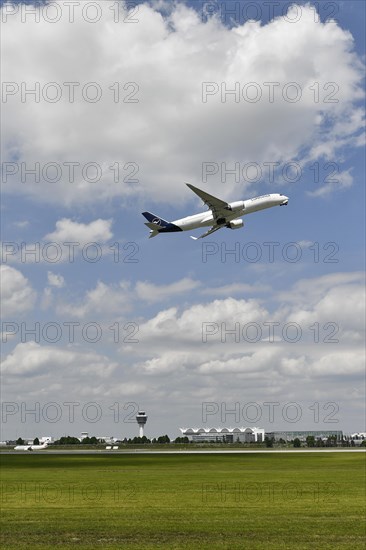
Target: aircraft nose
284	201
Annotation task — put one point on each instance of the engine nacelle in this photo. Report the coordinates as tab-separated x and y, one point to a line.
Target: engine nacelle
235	224
236	206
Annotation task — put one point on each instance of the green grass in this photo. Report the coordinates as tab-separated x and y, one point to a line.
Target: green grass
252	501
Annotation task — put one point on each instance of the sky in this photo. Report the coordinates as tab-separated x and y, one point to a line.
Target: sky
107	109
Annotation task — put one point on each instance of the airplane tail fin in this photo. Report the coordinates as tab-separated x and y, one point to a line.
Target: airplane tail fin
155	220
154	223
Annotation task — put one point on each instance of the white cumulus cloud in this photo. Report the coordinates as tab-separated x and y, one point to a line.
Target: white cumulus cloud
55	280
162	125
67	230
17	295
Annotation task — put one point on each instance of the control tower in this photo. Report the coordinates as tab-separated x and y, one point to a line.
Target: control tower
141	419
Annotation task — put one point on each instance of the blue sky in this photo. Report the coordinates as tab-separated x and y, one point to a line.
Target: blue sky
170	287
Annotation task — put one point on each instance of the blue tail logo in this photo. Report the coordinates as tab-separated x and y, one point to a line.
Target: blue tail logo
158	225
152	218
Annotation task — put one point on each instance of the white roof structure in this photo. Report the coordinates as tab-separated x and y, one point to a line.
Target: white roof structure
197	431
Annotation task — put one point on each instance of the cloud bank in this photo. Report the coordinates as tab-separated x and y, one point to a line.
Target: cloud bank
188	91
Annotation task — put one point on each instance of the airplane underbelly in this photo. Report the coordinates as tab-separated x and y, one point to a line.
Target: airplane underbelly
194	222
205	220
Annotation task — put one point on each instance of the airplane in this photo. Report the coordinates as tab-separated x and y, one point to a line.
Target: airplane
30	447
220	214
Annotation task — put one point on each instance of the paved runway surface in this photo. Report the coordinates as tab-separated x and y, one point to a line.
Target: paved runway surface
189	452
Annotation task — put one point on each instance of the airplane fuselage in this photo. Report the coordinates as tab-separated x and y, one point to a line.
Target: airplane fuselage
237	210
219	214
30	447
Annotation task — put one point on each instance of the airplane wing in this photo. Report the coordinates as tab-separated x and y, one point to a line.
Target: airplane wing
219	208
212	230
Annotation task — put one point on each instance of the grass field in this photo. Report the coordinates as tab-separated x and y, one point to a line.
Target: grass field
246	501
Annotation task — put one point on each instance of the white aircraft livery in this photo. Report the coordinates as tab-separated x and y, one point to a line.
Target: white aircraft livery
30	447
219	214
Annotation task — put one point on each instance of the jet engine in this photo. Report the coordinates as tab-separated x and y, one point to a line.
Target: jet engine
236	206
235	224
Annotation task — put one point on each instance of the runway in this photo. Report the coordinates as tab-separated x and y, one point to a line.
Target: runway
179	452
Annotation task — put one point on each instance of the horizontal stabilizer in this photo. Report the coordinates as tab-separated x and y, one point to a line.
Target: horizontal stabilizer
152	226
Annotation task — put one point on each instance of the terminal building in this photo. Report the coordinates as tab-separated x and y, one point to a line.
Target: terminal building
224	435
254	435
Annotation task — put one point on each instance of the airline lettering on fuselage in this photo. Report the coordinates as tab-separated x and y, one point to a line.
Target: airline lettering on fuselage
261	197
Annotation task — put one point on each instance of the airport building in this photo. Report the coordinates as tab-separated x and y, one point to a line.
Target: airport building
141	419
302	435
358	435
224	435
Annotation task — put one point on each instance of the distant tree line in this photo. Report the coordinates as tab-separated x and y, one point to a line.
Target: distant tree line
330	442
181	440
70	440
20	441
310	441
144	440
162	439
